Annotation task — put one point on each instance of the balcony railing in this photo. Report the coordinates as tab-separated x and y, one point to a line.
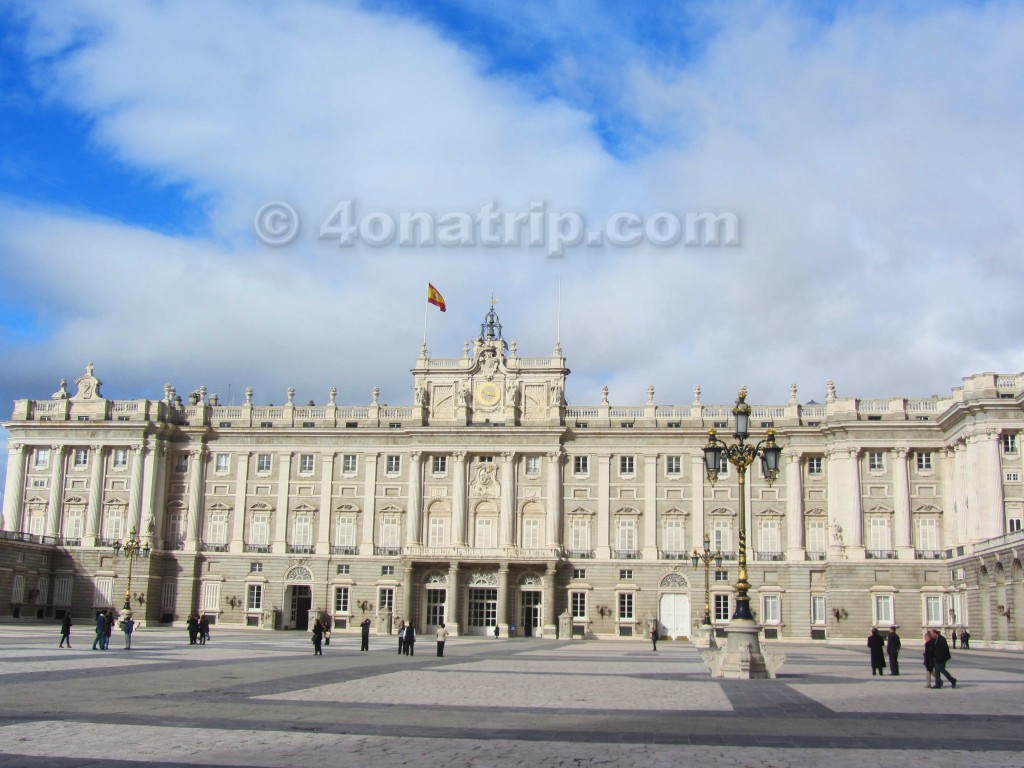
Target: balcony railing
105	542
672	554
262	549
300	549
179	545
337	549
728	555
815	555
880	554
71	542
626	554
769	556
579	554
387	551
207	547
929	554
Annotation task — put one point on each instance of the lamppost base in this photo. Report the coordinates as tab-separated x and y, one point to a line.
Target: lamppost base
704	637
742	657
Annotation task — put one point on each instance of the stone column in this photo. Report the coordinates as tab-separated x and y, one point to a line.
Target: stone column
459	499
508	499
14	487
323	536
53	512
241	495
795	549
148	528
697	478
548	625
92	515
159	492
407	593
503	599
993	514
902	535
412	532
195	498
284	476
554	519
135	494
856	548
453	623
370	506
650	518
603	551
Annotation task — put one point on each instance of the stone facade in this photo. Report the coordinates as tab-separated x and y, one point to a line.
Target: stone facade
491	502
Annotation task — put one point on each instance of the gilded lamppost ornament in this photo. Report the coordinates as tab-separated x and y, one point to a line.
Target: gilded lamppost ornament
131	548
707	557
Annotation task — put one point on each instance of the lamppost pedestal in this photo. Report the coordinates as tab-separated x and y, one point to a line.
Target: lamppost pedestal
742	658
705	637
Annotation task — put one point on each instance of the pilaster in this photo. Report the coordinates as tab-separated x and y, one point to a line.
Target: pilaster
195	498
56	506
241	493
14	496
454	604
284	475
92	515
414	522
902	534
795	550
650	519
135	494
603	550
508	498
370	505
697	501
554	507
323	535
459	498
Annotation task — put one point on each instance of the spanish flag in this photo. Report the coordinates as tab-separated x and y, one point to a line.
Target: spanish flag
434	297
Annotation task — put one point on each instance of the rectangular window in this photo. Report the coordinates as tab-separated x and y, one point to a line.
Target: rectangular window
389	531
349	463
928	534
306	463
532	465
256	567
263	462
883	610
62	591
222	462
933	609
343	569
580	534
218	528
211	596
254	598
73	526
770	610
625	606
101	598
485	459
531	533
436	532
345	531
770	540
259	533
625	574
113	525
578	601
169	597
581	465
42	458
721	575
814	465
302	531
387	570
817	609
721	607
1010	443
394	464
120	458
816	540
579	573
672	536
81	458
673	465
341	599
1013	477
626	465
386	599
484	532
181	463
175	528
721	536
723	466
439	465
876	461
625	538
924	460
18	589
879	538
436	599
1014	524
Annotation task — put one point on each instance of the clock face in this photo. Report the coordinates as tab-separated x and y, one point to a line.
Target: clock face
488	393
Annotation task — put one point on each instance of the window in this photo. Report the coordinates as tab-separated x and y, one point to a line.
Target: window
349	463
439	465
259	533
723	465
626	465
721	607
721	575
579	573
625	606
218	528
101	597
343	569
532	465
770	611
389	530
168	596
770	540
211	596
42	458
879	538
485	459
814	465
345	531
263	462
436	533
581	465
1013	477
256	567
928	533
721	535
484	532
883	610
254	598
222	462
625	574
578	602
387	570
386	599
39	482
306	463
876	461
113	525
175	528
531	533
302	531
73	525
816	536
394	464
672	535
62	590
181	463
817	609
1010	443
1014	524
580	534
120	456
924	461
341	599
81	458
436	599
673	465
933	609
625	534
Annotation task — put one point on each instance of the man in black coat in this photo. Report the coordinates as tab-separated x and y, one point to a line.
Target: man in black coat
364	631
942	655
877	646
892	650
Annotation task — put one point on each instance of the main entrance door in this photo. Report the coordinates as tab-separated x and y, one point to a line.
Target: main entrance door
530	616
674	616
483	610
302	602
436	600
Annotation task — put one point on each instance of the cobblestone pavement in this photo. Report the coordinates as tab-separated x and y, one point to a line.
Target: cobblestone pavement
263	699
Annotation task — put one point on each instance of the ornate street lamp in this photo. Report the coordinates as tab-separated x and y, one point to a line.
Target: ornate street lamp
707	557
132	548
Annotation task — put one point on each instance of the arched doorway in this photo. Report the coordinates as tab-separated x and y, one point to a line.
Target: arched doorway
531	605
674	607
298	597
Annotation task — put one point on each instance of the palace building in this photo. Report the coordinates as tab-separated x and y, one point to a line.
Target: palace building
489	502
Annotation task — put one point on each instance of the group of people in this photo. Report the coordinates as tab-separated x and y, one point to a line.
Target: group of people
198	629
936	654
407	639
964	637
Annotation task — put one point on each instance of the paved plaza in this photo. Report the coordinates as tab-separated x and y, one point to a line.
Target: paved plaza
251	698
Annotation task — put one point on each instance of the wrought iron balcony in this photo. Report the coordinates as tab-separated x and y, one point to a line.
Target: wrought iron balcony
262	549
206	547
626	554
387	551
770	556
880	554
300	549
579	554
815	555
337	549
929	554
674	554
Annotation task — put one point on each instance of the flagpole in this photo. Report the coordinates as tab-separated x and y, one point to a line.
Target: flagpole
426	308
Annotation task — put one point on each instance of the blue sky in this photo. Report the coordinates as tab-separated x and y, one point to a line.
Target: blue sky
870	151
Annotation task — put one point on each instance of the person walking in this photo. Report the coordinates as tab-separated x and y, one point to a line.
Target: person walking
942	656
877	646
108	630
204	629
193	629
654	638
401	638
929	658
965	640
442	635
128	626
953	638
410	640
497	631
892	650
65	629
364	629
318	637
101	631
